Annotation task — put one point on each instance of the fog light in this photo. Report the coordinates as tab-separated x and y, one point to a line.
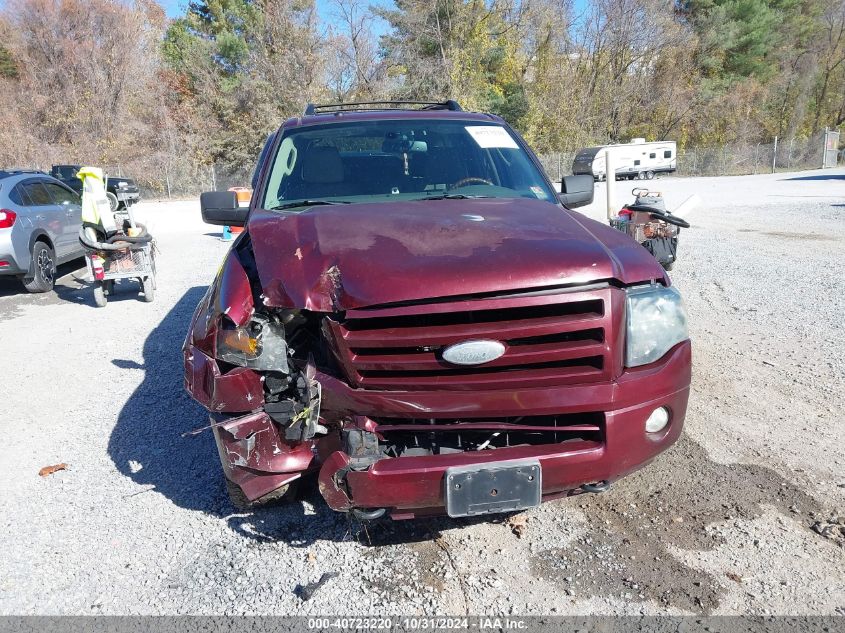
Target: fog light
658	420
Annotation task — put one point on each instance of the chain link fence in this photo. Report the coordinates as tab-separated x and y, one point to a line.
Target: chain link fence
162	175
176	178
794	154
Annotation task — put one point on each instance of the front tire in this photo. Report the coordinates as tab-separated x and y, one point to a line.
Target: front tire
43	267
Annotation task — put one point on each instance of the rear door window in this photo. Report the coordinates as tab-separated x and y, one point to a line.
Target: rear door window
60	195
38	194
18	196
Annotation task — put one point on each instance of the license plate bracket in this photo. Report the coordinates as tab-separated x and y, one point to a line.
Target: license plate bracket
495	487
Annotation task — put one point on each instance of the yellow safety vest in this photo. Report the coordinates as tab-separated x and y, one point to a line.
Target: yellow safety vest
96	209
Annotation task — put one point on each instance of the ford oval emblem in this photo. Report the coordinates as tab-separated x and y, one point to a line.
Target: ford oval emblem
473	352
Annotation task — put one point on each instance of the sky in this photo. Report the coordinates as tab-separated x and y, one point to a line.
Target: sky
176	8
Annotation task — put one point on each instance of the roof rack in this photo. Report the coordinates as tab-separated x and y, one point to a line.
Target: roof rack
5	173
368	106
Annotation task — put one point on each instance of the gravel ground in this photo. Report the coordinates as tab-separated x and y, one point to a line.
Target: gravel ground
745	515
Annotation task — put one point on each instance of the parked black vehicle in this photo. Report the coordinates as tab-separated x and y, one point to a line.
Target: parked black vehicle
122	192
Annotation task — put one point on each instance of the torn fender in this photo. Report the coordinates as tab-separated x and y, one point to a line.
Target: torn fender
254	456
253	441
233	392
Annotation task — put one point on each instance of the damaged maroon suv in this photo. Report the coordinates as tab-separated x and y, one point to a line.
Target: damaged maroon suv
415	316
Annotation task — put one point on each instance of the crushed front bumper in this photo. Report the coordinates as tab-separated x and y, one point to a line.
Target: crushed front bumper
413	486
256	457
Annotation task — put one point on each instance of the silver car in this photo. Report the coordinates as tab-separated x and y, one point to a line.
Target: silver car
39	227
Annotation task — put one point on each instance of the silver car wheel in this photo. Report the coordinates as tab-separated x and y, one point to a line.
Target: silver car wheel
45	266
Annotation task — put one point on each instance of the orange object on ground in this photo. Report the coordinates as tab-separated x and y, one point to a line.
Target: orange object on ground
243	195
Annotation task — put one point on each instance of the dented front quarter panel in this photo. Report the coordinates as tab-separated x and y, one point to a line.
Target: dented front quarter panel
234	293
239	389
235	391
254	455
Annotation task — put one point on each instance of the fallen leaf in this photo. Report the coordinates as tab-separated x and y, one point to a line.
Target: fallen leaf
312	557
733	576
49	470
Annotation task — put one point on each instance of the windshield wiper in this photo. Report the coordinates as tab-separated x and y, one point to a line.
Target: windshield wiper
452	196
307	203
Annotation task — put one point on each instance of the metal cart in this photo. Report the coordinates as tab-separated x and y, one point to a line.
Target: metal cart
136	261
650	224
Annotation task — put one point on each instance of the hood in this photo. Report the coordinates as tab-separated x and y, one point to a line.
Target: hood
340	257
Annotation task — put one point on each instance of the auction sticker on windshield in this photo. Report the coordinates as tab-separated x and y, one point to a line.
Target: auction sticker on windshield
489	136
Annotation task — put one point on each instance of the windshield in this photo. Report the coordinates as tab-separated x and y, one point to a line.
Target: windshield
66	172
381	161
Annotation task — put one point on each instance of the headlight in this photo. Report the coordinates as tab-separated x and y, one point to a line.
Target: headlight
656	323
260	344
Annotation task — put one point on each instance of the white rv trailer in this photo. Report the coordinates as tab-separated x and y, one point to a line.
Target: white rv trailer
636	159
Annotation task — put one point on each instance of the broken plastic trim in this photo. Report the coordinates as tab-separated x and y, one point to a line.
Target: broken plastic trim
368	515
597	487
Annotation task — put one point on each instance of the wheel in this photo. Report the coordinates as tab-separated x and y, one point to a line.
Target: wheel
113	203
649	175
100	298
43	267
148	286
641	175
284	494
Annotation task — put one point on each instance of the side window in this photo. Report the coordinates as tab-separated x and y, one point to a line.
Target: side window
652	155
61	195
38	194
667	153
636	162
18	196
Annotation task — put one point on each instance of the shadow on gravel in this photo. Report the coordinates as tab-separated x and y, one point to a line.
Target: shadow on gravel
676	503
819	177
145	443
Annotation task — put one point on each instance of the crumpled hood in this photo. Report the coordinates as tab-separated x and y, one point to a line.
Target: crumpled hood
340	257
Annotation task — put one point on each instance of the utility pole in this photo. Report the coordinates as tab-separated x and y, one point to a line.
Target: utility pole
610	180
775	155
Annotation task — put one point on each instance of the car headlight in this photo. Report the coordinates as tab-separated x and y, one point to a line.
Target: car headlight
657	322
259	344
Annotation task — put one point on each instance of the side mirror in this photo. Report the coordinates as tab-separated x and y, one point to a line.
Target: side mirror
221	208
576	191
